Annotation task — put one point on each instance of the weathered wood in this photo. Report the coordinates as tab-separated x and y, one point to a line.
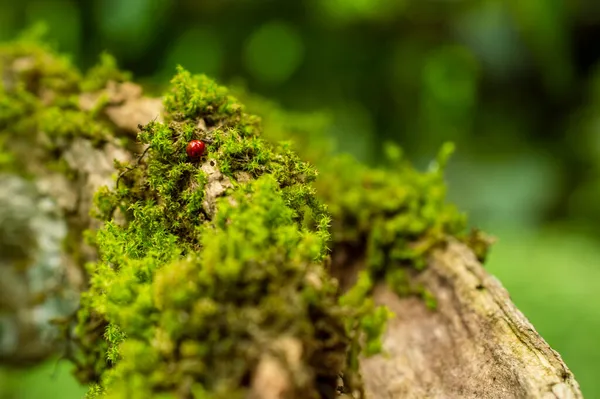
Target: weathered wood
476	344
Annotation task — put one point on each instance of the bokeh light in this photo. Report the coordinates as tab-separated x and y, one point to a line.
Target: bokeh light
273	52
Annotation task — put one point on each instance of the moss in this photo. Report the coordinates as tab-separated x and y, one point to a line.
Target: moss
40	93
38	66
7	159
373	318
105	71
184	286
392	214
430	300
399	214
480	243
63	123
204	266
62	167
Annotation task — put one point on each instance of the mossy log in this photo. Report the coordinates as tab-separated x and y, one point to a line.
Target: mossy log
454	332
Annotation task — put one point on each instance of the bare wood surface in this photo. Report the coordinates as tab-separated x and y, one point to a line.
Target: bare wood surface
476	344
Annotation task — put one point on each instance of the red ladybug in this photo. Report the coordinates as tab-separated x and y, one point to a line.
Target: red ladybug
195	149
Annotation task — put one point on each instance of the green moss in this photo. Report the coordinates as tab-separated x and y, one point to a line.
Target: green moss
95	391
7	159
192	288
398	214
62	124
392	215
430	300
204	266
105	71
372	320
16	104
33	62
62	166
40	93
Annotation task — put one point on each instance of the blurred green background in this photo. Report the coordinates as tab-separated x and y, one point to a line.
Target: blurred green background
514	83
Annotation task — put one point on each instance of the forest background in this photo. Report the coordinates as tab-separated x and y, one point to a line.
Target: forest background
515	84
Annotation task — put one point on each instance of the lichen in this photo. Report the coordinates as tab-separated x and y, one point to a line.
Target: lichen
34	286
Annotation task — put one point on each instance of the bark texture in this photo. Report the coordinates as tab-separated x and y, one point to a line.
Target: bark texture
476	344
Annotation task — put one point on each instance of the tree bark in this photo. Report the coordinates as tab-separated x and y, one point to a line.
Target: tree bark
476	344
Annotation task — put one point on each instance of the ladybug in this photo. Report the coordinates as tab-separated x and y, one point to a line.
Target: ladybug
195	149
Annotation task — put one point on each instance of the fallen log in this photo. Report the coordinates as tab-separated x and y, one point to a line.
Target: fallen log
475	343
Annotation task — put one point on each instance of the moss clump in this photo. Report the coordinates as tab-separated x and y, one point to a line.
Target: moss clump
398	214
198	283
392	215
101	74
7	159
205	267
40	102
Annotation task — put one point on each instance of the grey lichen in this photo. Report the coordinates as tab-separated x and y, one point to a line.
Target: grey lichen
35	286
